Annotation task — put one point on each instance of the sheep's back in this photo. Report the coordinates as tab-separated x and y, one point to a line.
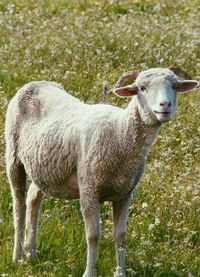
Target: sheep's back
36	99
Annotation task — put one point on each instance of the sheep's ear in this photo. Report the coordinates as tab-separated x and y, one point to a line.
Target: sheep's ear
186	85
129	90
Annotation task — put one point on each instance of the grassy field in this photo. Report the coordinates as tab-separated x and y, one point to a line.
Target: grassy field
82	44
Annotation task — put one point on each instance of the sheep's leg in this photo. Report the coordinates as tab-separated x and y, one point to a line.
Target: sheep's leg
120	215
91	216
17	179
33	204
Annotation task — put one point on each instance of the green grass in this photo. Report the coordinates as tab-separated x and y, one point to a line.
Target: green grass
81	44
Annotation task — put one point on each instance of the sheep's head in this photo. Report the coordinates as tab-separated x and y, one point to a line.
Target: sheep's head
156	91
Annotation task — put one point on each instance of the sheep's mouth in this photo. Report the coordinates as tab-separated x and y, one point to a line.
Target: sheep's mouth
164	113
163	116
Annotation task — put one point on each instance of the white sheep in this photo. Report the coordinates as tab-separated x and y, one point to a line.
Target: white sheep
93	152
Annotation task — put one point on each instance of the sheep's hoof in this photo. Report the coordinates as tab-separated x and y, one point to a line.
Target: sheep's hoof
89	274
31	254
18	261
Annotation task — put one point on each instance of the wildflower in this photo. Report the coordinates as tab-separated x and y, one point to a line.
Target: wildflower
69	73
151	227
157	264
134	234
118	272
142	263
145	205
157	221
190	274
108	222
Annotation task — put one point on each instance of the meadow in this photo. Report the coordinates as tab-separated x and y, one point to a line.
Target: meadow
83	44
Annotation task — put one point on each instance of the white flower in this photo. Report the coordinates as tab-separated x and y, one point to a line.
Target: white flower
157	221
145	205
151	226
142	263
118	271
157	264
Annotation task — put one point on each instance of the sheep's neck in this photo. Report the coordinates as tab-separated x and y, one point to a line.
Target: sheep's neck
137	136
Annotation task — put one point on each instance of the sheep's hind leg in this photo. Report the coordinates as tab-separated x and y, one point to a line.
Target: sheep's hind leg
120	215
33	204
17	179
91	216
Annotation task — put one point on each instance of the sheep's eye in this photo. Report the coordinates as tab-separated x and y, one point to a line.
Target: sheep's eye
143	88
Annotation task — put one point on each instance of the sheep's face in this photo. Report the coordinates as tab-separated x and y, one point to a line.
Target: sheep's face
156	91
157	96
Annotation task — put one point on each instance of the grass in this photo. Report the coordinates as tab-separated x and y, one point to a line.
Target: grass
81	44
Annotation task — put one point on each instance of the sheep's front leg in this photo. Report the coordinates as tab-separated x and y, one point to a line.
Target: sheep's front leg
120	215
33	204
91	216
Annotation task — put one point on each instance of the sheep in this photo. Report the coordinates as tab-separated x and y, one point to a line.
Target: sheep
96	153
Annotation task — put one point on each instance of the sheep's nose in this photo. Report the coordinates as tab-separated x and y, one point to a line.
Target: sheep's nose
165	104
